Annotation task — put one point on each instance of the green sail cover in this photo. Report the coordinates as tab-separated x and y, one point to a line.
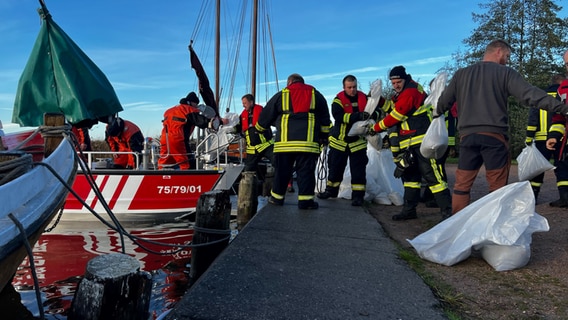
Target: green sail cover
60	78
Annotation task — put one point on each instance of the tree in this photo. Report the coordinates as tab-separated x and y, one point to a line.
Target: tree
538	38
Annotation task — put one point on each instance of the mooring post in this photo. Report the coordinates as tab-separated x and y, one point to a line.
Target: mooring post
113	288
212	230
267	184
247	201
51	142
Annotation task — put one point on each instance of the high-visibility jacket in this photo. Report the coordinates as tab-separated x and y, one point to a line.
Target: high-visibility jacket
256	142
83	137
301	117
346	111
540	120
177	127
129	140
408	113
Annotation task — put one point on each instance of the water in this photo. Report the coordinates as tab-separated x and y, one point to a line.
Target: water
62	254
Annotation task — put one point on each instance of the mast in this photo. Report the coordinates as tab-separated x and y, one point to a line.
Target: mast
254	47
217	50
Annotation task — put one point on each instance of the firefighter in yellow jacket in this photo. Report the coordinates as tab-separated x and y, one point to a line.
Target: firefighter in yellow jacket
301	117
347	108
411	118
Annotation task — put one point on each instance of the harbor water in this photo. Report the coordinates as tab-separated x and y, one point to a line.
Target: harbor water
61	255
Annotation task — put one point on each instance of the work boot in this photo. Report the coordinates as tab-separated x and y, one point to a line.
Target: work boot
444	201
357	202
411	199
328	193
274	201
307	205
357	197
563	201
405	215
536	191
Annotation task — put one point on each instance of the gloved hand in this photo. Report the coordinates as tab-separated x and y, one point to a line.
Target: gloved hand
324	139
386	142
371	130
529	141
365	116
400	166
398	172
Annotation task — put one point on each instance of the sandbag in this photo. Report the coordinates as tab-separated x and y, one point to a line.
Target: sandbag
503	218
531	163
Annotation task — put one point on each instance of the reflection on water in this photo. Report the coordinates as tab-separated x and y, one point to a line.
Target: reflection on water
61	255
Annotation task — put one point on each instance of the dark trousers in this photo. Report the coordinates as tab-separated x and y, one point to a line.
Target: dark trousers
337	161
305	164
252	160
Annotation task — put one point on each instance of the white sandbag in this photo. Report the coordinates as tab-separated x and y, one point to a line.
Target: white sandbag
375	95
435	141
531	163
359	128
380	174
436	89
505	217
376	141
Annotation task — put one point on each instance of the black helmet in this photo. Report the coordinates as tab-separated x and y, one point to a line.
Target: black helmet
115	126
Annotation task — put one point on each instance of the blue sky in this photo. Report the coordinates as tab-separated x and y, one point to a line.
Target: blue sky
142	45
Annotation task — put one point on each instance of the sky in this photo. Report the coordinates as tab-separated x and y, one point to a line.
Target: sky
141	46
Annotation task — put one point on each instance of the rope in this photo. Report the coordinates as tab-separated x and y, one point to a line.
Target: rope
13	168
29	250
322	165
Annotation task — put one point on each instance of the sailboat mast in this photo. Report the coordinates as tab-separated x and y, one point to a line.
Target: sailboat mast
254	47
217	50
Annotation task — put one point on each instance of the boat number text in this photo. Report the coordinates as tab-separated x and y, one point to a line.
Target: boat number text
178	189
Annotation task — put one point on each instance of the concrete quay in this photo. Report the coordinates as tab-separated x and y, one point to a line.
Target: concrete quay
332	263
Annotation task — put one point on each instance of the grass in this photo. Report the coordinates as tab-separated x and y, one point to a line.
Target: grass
450	300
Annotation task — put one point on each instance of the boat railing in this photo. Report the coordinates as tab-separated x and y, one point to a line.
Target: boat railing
102	159
213	150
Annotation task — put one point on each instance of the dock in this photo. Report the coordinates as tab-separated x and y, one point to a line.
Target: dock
332	263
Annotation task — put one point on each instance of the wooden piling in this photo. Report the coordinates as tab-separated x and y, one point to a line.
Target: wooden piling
113	288
247	201
212	221
267	184
51	142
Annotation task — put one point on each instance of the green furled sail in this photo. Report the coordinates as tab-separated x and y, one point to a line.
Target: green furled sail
60	78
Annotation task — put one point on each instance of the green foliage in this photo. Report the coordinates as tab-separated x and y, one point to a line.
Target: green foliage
538	38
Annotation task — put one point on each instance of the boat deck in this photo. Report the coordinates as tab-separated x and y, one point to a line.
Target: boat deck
331	263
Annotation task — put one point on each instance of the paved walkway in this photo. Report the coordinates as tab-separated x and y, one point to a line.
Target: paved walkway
331	263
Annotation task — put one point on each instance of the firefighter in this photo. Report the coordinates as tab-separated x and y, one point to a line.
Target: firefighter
539	124
347	108
411	118
301	117
556	142
124	136
178	125
258	145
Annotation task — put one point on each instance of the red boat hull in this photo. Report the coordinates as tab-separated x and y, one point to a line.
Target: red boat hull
133	191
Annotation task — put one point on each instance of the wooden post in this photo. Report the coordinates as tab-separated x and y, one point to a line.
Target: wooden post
51	142
113	288
247	201
212	221
267	185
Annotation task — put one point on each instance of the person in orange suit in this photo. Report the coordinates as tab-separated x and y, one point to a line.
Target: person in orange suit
178	125
124	136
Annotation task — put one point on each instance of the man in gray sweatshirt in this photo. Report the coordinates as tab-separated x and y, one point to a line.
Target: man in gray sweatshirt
481	92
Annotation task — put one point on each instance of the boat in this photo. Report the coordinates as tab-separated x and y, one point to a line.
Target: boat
145	191
35	175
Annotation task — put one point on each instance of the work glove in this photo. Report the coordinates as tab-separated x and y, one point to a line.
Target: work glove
529	141
324	139
386	142
371	130
364	116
